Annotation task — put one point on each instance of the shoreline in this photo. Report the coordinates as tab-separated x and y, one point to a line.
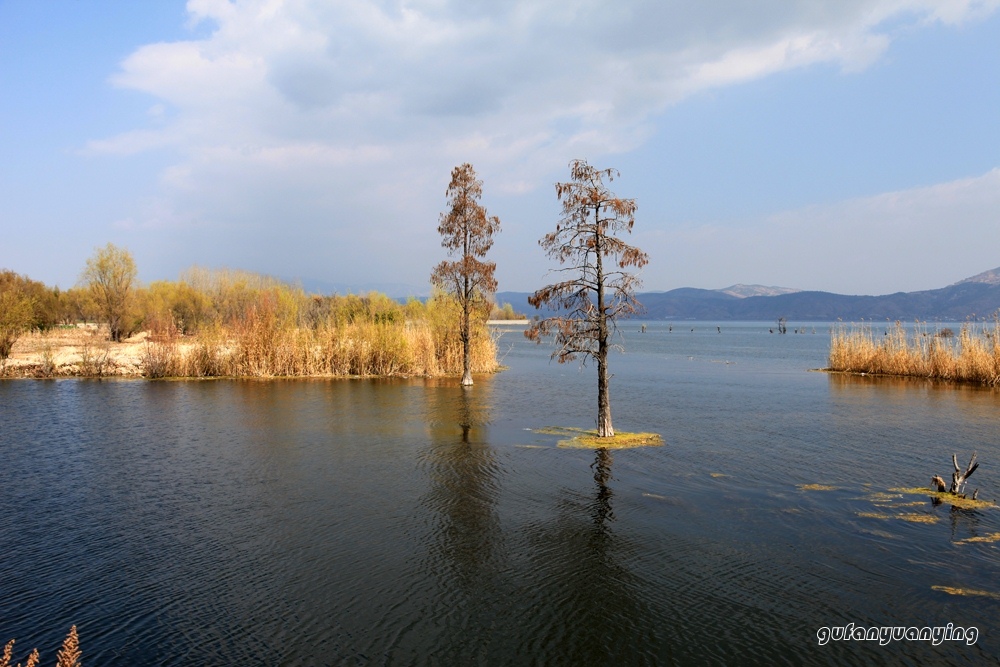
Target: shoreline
84	352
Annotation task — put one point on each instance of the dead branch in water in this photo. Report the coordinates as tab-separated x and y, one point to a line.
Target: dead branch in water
958	478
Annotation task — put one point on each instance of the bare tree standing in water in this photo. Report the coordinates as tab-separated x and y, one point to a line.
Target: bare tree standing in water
467	231
600	290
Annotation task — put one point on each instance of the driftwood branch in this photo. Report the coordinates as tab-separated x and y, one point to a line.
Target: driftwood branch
958	478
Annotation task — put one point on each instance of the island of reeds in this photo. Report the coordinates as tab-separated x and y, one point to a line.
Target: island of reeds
228	323
972	355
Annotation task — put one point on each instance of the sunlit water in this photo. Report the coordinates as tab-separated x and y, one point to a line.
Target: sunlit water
409	522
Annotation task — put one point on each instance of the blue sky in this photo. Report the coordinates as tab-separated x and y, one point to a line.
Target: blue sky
844	145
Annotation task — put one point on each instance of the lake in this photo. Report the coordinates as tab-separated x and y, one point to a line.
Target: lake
411	522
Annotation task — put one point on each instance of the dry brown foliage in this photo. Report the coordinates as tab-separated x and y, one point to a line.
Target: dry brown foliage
467	232
599	290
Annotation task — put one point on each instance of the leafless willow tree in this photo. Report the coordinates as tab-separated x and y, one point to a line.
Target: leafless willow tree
599	290
468	232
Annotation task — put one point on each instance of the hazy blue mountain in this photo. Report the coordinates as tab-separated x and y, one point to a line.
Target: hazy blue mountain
976	297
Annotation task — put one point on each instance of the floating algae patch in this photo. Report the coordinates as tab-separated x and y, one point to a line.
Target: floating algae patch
992	537
816	487
717	475
880	497
881	533
966	591
950	498
579	438
911	517
558	430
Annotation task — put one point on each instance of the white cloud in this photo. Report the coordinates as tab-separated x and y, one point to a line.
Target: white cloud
936	235
334	114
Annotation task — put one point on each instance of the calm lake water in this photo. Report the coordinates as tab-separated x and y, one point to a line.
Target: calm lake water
411	522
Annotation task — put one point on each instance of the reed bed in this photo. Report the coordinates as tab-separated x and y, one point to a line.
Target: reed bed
262	343
972	356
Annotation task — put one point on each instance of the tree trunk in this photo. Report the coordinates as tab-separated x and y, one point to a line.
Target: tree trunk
604	427
466	305
958	477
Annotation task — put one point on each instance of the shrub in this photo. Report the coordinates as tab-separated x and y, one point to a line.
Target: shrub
16	314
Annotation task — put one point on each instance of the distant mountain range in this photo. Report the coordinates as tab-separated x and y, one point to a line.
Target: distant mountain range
975	297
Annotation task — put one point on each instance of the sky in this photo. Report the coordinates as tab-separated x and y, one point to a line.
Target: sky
850	146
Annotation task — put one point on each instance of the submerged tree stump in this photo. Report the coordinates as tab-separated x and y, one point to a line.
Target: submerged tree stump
958	478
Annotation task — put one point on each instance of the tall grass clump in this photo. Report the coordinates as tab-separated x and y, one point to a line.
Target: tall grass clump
234	324
972	356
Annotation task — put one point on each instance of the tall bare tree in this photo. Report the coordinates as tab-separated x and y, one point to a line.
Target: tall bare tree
111	276
468	233
599	289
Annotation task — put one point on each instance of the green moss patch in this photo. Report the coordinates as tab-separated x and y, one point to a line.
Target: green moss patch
578	438
945	497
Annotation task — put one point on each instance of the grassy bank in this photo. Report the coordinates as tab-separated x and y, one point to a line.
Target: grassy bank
236	324
972	355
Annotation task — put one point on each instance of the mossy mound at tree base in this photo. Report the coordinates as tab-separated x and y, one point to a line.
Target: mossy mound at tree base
583	439
950	498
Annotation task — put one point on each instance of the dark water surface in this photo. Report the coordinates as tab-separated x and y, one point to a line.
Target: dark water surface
410	522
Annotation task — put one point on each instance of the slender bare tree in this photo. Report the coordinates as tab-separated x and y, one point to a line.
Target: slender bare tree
599	289
468	232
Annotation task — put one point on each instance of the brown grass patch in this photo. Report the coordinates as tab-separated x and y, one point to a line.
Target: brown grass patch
992	537
966	591
972	356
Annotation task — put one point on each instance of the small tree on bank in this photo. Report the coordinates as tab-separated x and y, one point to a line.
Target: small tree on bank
468	232
111	276
598	290
16	313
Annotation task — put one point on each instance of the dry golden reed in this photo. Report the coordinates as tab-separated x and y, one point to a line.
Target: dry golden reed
68	656
277	331
972	356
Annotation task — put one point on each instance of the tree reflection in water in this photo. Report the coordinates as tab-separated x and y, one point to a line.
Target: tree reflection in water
503	579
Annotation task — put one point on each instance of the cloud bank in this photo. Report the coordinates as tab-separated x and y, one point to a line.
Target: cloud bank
325	131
